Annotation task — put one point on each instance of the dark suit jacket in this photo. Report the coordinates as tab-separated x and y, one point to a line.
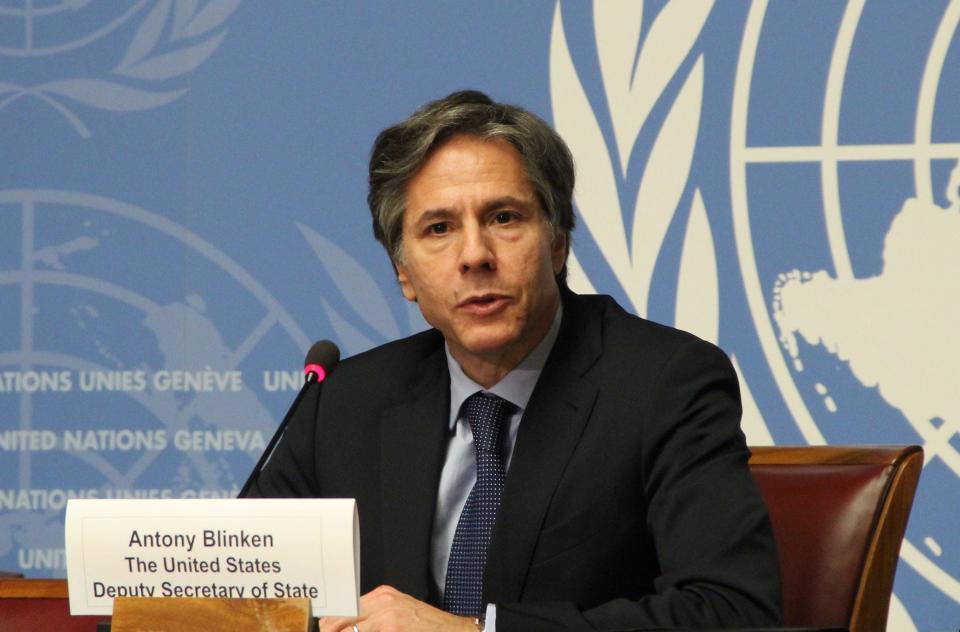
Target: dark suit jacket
628	503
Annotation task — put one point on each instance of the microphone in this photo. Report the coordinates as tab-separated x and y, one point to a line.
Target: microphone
321	360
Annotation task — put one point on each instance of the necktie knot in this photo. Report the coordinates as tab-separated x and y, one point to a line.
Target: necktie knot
486	413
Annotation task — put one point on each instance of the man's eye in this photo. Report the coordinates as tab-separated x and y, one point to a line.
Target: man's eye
438	229
504	217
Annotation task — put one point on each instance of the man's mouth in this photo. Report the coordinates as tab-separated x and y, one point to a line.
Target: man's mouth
484	304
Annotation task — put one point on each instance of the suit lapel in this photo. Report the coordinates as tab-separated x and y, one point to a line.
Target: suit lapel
412	444
551	427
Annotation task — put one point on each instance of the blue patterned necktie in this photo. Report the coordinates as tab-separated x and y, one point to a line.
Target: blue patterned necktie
463	589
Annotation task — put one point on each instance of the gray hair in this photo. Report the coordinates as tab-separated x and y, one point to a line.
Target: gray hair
399	152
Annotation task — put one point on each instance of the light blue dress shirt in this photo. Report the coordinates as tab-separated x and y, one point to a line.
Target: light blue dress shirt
460	465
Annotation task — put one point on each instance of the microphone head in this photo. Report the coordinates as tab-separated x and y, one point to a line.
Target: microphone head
321	360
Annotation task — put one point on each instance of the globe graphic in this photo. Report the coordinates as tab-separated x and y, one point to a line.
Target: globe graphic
860	186
36	28
77	311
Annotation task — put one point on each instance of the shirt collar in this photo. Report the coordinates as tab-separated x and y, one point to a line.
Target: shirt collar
516	386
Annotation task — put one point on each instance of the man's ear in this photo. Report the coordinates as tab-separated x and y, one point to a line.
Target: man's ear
559	252
405	285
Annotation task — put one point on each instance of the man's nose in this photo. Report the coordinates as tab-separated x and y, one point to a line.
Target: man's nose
476	252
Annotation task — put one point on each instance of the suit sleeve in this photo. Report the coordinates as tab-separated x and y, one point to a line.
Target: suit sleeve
708	524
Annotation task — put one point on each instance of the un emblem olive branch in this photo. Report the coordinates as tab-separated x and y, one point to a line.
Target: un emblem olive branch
174	38
636	69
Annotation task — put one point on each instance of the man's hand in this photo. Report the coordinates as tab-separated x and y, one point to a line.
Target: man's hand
386	609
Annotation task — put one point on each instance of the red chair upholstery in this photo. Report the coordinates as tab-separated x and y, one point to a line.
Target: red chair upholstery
29	605
839	515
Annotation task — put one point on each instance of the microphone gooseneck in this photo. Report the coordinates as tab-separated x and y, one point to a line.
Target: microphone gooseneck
321	360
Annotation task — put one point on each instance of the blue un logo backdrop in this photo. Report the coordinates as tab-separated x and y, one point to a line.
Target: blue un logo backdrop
182	211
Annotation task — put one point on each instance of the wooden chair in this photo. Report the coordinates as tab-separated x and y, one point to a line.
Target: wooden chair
839	515
27	605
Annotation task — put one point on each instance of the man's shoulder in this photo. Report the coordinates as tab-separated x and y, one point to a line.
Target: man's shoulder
620	325
626	337
367	383
394	359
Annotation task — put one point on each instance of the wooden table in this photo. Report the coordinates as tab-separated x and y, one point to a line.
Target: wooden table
30	605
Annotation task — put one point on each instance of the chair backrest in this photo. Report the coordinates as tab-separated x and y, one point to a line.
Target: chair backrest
39	604
839	514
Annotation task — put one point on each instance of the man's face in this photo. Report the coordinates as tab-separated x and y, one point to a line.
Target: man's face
478	254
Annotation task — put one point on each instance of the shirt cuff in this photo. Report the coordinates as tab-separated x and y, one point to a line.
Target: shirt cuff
490	622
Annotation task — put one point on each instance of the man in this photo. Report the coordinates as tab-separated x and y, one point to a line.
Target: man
539	459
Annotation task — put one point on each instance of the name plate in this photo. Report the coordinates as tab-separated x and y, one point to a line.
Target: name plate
248	548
